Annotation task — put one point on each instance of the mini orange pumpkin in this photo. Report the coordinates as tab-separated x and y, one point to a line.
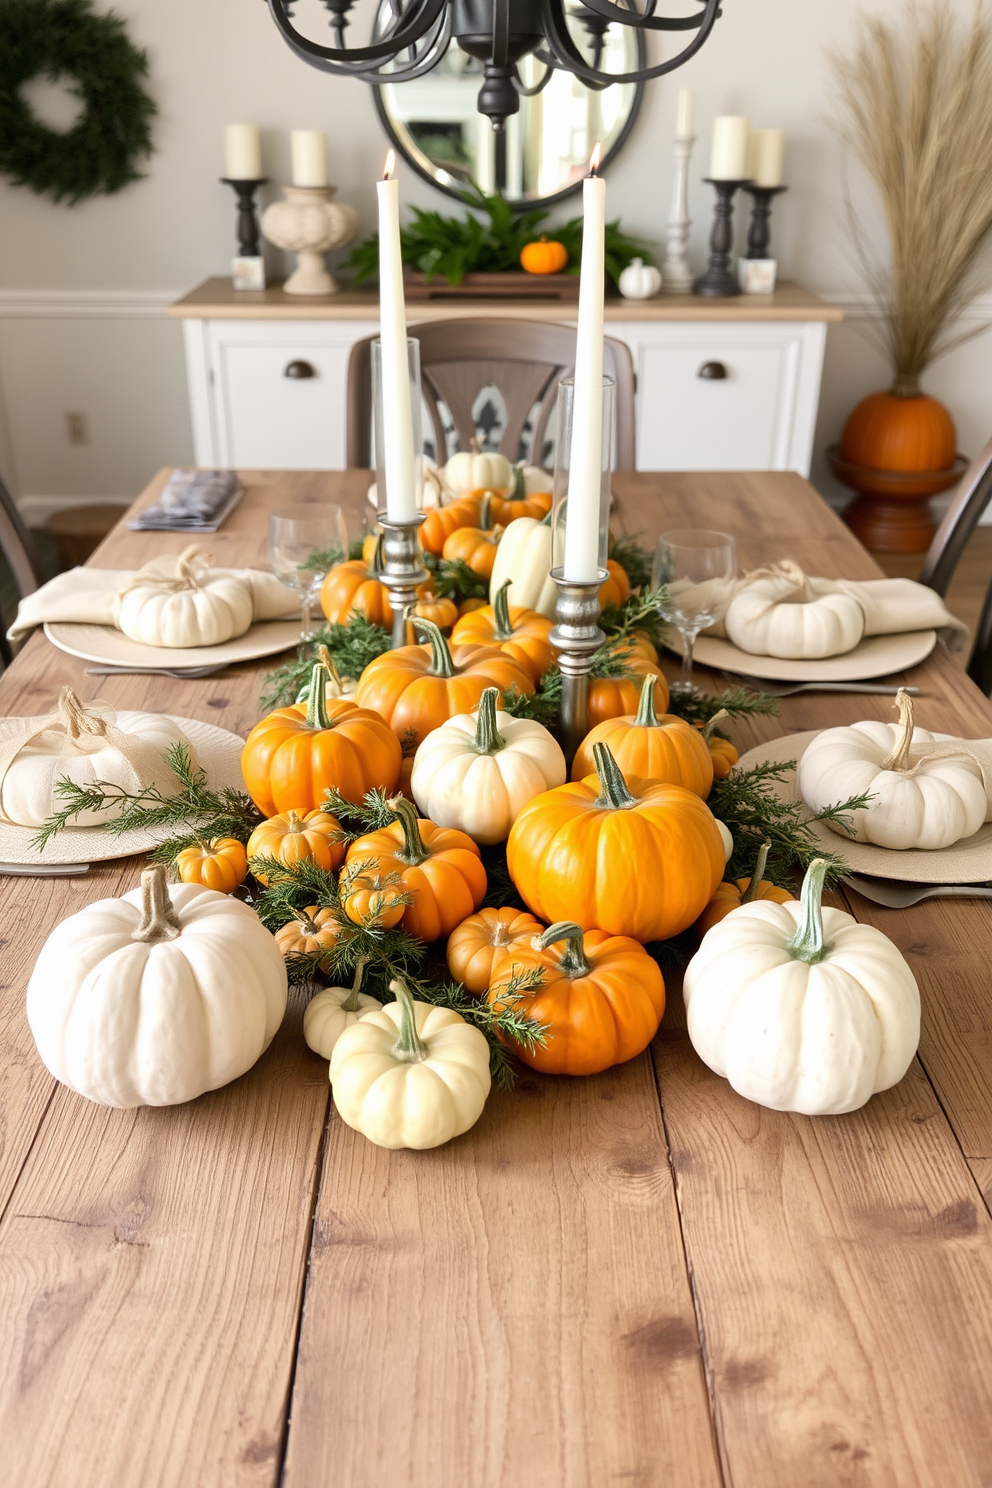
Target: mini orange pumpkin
440	523
506	509
520	633
615	589
314	929
600	1003
219	864
723	753
355	585
544	257
730	896
294	837
611	697
475	546
371	898
441	611
468	605
478	946
654	748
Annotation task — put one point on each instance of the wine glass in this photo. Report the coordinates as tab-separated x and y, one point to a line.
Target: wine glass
304	542
698	571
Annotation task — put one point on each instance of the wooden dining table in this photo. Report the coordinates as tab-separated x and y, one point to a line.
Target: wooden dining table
638	1278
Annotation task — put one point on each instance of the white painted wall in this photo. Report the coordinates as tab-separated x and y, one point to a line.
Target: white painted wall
107	350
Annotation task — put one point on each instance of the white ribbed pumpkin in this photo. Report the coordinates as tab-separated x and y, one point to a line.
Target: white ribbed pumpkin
190	607
331	1011
639	280
471	471
524	557
780	614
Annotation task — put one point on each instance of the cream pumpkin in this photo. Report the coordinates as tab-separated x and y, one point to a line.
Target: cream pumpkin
330	1012
471	470
190	607
780	613
524	557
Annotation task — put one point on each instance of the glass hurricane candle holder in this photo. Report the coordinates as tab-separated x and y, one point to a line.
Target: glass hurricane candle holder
399	488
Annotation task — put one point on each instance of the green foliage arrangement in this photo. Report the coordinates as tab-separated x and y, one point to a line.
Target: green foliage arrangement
451	247
101	153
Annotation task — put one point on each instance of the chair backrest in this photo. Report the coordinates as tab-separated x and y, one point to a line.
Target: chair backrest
524	359
960	521
17	546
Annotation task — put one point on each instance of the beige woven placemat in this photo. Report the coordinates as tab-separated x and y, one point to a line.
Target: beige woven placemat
110	647
877	656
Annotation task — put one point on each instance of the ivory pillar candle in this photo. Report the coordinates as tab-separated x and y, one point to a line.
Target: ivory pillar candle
398	456
242	153
685	119
765	153
728	159
585	466
310	158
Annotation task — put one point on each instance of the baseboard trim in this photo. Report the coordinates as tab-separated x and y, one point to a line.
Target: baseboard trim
35	509
85	304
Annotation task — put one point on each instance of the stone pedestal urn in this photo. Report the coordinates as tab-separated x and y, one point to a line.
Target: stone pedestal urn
309	223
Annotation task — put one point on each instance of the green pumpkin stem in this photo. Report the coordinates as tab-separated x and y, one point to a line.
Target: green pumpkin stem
488	739
159	920
807	944
317	715
711	726
519	484
486	513
613	792
502	628
573	961
350	1004
757	874
546	521
646	717
409	1048
377	564
413	850
441	662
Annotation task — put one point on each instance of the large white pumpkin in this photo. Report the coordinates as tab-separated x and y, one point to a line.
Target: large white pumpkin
471	471
524	557
192	606
801	1008
83	745
152	999
923	793
781	614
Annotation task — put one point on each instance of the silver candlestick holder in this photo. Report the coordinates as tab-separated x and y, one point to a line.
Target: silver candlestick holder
577	638
676	273
403	570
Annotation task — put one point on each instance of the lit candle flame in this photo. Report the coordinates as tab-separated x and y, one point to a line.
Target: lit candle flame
594	159
390	166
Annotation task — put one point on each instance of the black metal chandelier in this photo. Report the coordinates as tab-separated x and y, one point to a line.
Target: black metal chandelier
410	37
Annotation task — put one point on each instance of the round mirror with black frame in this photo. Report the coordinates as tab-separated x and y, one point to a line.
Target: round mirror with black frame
541	156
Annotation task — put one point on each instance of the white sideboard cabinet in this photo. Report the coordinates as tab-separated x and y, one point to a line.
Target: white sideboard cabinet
721	384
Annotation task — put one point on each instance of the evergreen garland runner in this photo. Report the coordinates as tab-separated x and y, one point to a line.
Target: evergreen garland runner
101	153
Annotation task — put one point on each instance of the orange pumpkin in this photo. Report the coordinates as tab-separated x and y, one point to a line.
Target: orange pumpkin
440	523
468	605
520	633
544	257
219	864
417	688
293	837
355	585
475	546
642	645
611	697
478	946
440	611
314	929
506	509
295	755
615	589
887	432
374	899
722	752
439	867
601	1001
628	856
654	748
730	896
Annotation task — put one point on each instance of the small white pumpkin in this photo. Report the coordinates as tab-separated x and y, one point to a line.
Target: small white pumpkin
800	1007
152	999
471	470
330	1012
479	770
412	1075
639	280
83	745
780	614
189	607
728	841
531	480
524	557
924	794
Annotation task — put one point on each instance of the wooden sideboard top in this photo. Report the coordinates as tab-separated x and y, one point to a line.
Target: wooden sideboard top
216	299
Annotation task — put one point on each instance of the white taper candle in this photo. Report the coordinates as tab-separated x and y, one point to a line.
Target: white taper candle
398	455
585	466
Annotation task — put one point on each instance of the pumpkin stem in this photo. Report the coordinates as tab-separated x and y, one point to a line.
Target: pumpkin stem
413	850
519	484
906	385
333	675
899	758
75	719
757	874
409	1048
646	717
546	521
500	934
613	792
488	739
317	716
159	920
441	663
502	627
486	513
573	962
350	1004
807	944
710	728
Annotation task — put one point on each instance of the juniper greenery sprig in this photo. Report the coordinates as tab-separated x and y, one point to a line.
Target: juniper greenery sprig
373	813
640	611
634	558
453	579
736	702
352	646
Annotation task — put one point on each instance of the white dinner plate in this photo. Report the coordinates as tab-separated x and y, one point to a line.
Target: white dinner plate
968	861
217	750
876	656
110	647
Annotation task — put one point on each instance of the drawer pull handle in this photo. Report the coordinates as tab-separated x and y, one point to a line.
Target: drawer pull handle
713	371
300	370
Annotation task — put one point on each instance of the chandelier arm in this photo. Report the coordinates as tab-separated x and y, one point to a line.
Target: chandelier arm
539	87
567	55
355	61
645	20
427	60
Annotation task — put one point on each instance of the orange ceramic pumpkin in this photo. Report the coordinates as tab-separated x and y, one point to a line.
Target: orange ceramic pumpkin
886	432
611	697
730	896
371	898
654	748
219	864
506	509
294	837
314	929
417	688
544	257
295	755
615	589
440	523
478	946
628	856
440	867
355	585
601	1002
520	633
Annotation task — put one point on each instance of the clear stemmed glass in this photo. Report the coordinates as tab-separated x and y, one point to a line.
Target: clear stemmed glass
304	542
698	570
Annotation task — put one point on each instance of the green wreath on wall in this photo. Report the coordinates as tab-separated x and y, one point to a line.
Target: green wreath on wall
102	151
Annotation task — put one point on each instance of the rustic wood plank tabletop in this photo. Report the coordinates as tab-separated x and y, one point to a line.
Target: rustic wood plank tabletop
638	1277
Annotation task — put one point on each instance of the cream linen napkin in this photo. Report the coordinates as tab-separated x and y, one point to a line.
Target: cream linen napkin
89	596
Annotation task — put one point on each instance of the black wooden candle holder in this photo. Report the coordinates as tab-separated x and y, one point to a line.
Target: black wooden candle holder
720	280
759	232
248	236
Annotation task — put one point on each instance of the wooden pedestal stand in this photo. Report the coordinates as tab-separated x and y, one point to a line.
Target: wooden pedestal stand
892	511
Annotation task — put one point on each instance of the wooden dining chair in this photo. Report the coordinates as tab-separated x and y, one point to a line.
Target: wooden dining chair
524	359
19	550
944	554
